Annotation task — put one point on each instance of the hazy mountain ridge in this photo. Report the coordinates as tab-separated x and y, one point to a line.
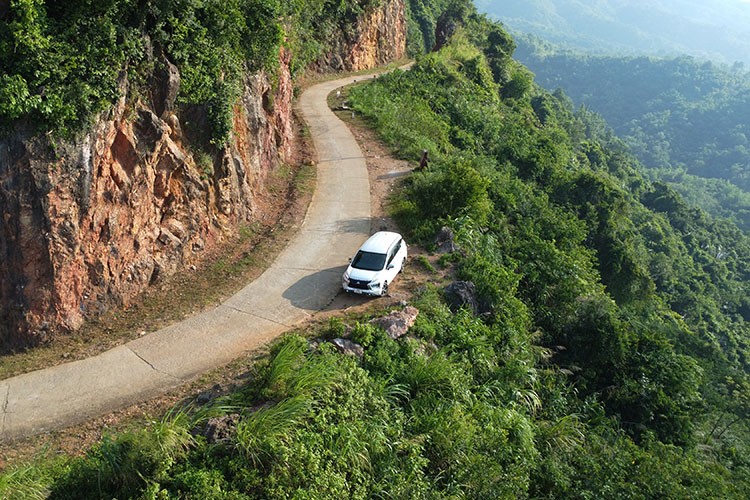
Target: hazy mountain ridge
717	29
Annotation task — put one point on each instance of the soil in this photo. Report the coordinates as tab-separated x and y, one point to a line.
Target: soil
223	274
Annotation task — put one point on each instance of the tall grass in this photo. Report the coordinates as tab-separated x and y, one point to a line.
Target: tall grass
258	430
122	466
26	482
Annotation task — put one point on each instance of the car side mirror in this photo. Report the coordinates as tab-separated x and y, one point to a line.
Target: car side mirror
390	266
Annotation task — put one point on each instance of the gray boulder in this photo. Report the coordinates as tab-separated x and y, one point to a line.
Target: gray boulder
348	347
221	429
462	294
445	241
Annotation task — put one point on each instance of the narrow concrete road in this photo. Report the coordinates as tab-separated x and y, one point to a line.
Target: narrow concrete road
303	279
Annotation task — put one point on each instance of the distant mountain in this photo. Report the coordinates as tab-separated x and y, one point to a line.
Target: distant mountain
710	29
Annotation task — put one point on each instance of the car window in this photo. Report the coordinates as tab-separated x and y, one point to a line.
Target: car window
369	261
394	252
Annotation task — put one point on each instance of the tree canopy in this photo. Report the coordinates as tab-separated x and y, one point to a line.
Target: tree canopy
685	120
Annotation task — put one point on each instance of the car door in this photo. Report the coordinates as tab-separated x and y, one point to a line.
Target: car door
392	265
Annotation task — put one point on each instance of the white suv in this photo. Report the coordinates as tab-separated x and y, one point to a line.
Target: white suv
375	265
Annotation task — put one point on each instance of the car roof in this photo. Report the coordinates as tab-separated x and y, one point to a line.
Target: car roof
380	242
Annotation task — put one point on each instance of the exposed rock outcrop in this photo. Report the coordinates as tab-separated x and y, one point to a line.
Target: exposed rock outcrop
377	38
445	241
462	295
88	224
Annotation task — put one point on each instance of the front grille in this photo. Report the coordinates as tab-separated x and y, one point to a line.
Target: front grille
359	284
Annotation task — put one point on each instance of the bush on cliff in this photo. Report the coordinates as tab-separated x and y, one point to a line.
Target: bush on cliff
61	63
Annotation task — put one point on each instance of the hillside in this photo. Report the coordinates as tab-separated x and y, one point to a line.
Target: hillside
684	119
602	349
714	29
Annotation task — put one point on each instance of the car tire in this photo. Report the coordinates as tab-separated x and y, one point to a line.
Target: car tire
385	289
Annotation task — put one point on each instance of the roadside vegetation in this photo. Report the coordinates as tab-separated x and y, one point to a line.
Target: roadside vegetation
608	356
636	298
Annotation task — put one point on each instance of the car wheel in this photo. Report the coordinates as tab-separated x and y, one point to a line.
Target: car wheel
385	289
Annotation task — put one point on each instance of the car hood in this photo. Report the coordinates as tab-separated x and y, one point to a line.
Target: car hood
362	274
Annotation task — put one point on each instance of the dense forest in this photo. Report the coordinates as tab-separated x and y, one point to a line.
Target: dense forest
607	355
686	120
711	29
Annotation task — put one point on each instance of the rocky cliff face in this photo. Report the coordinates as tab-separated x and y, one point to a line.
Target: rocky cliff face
379	37
88	224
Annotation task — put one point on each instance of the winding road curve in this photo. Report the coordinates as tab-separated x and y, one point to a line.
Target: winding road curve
302	280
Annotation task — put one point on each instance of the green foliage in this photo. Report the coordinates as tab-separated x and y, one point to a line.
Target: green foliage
57	72
422	16
425	263
214	44
566	225
312	26
62	64
65	65
26	482
363	334
686	123
261	428
290	373
451	189
611	337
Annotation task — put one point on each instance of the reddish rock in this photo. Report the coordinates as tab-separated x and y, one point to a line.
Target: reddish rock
377	38
397	323
89	224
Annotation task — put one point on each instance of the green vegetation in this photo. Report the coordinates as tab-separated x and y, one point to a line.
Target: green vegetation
684	119
61	63
639	298
426	264
422	17
611	361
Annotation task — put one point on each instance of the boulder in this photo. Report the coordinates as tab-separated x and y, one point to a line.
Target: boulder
462	294
221	429
397	323
348	347
445	240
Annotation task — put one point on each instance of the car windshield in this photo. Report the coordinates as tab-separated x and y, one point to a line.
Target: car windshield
369	261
